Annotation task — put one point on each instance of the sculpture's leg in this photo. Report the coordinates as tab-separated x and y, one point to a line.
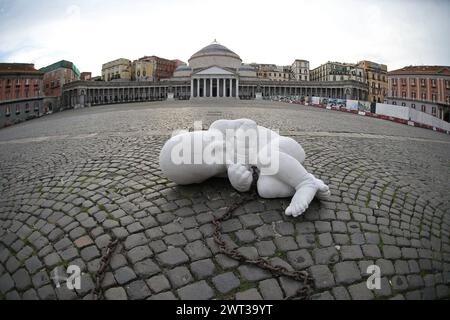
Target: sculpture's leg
270	187
306	186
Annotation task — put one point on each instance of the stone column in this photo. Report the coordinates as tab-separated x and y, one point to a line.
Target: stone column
192	88
211	87
224	93
237	88
198	88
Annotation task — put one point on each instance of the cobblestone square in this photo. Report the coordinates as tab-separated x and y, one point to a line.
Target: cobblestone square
72	181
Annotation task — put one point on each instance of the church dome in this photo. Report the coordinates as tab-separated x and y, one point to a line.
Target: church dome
215	55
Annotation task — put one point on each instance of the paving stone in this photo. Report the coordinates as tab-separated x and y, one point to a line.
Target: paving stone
203	268
351	253
135	240
286	243
245	236
385	288
196	291
323	278
197	250
253	273
163	296
80	243
225	262
386	267
340	293
33	264
138	290
158	283
265	248
124	275
139	253
371	251
226	282
47	293
300	259
158	246
251	220
90	253
179	276
401	267
326	255
305	227
415	281
391	252
118	293
6	283
270	290
346	272
360	292
22	279
251	294
173	257
399	283
30	295
442	291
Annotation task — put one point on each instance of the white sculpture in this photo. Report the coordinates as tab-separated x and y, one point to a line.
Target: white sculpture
187	159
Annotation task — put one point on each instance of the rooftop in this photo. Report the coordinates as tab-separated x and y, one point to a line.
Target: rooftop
62	64
18	68
432	70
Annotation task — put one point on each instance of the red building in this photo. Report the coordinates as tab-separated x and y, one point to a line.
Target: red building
425	88
21	93
20	81
56	76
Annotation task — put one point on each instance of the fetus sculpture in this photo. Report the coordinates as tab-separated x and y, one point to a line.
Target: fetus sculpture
229	148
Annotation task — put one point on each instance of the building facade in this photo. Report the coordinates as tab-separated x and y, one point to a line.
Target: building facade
86	76
143	70
272	72
376	75
55	77
214	72
21	93
425	88
117	70
337	71
300	70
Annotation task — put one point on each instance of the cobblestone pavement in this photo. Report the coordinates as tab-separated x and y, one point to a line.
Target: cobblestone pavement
71	181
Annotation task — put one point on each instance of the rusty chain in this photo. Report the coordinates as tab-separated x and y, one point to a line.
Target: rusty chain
97	291
305	291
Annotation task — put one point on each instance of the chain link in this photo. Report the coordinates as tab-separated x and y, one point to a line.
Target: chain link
97	292
307	282
304	293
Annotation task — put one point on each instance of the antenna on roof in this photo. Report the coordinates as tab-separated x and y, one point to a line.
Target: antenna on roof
215	42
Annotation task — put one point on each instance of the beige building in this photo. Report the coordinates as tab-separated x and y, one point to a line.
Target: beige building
337	71
377	79
143	70
300	70
272	72
119	69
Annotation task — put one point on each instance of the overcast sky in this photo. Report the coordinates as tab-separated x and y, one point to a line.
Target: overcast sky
92	32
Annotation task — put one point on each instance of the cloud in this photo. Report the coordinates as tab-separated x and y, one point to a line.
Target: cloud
90	33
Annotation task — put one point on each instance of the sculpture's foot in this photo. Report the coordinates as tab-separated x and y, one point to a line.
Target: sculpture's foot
323	192
305	193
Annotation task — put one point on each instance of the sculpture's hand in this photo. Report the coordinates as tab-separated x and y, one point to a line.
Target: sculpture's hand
240	176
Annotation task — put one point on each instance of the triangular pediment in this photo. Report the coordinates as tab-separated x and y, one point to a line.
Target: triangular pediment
214	71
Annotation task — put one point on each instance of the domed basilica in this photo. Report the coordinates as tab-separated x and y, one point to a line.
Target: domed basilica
214	71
